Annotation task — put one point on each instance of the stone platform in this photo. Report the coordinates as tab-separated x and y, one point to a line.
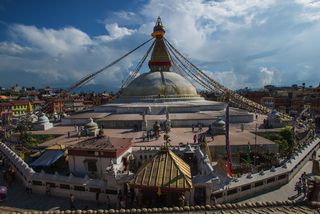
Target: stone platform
182	119
157	106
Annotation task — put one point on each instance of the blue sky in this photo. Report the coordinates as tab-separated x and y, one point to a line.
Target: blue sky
240	43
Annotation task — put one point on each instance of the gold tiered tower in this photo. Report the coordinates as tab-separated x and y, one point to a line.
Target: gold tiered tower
160	60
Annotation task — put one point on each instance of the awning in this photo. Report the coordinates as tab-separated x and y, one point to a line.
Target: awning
48	158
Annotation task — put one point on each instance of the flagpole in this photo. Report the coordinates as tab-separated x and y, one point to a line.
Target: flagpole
229	159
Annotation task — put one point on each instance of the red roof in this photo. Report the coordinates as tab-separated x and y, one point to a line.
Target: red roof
113	146
20	102
6	104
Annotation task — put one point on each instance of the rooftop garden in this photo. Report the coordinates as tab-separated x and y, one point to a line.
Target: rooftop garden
284	138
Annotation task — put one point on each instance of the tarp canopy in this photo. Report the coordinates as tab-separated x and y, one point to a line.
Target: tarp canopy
48	158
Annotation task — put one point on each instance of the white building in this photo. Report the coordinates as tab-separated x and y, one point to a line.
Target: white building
99	157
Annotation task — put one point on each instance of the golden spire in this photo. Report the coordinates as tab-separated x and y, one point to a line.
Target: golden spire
158	30
160	60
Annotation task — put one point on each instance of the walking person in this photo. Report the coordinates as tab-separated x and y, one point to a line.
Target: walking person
29	188
71	200
97	197
200	127
304	189
48	189
195	139
192	127
242	127
108	202
298	187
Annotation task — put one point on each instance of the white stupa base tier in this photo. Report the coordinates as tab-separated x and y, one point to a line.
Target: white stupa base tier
41	127
183	113
156	108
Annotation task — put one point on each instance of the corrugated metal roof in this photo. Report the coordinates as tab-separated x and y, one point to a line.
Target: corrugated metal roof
48	158
166	171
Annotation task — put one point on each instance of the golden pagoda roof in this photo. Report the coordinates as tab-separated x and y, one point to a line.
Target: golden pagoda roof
166	171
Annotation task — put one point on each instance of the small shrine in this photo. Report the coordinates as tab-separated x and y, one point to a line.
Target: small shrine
218	127
43	123
91	128
273	120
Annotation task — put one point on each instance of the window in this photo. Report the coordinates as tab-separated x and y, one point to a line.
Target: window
232	191
260	183
282	177
95	190
90	152
92	166
38	183
111	192
79	188
51	184
218	195
64	186
270	180
244	188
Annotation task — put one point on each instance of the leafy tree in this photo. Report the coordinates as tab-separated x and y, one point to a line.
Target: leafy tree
23	128
287	134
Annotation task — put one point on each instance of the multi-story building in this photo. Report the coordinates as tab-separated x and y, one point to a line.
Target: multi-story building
5	111
21	107
290	100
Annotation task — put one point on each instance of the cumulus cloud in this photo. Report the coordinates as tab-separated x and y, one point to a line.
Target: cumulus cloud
244	36
267	76
115	32
52	41
59	57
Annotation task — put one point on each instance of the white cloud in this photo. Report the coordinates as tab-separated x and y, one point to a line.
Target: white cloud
54	42
60	57
115	32
267	76
11	48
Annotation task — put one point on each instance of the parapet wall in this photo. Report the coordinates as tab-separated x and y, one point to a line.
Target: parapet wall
253	184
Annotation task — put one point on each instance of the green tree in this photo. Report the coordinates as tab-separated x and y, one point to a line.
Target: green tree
23	129
287	134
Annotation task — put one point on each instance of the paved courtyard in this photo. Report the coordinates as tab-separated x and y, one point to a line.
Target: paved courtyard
177	136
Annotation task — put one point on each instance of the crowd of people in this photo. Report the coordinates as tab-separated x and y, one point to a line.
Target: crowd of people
301	186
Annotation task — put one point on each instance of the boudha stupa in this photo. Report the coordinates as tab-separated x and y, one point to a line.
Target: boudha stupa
159	94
